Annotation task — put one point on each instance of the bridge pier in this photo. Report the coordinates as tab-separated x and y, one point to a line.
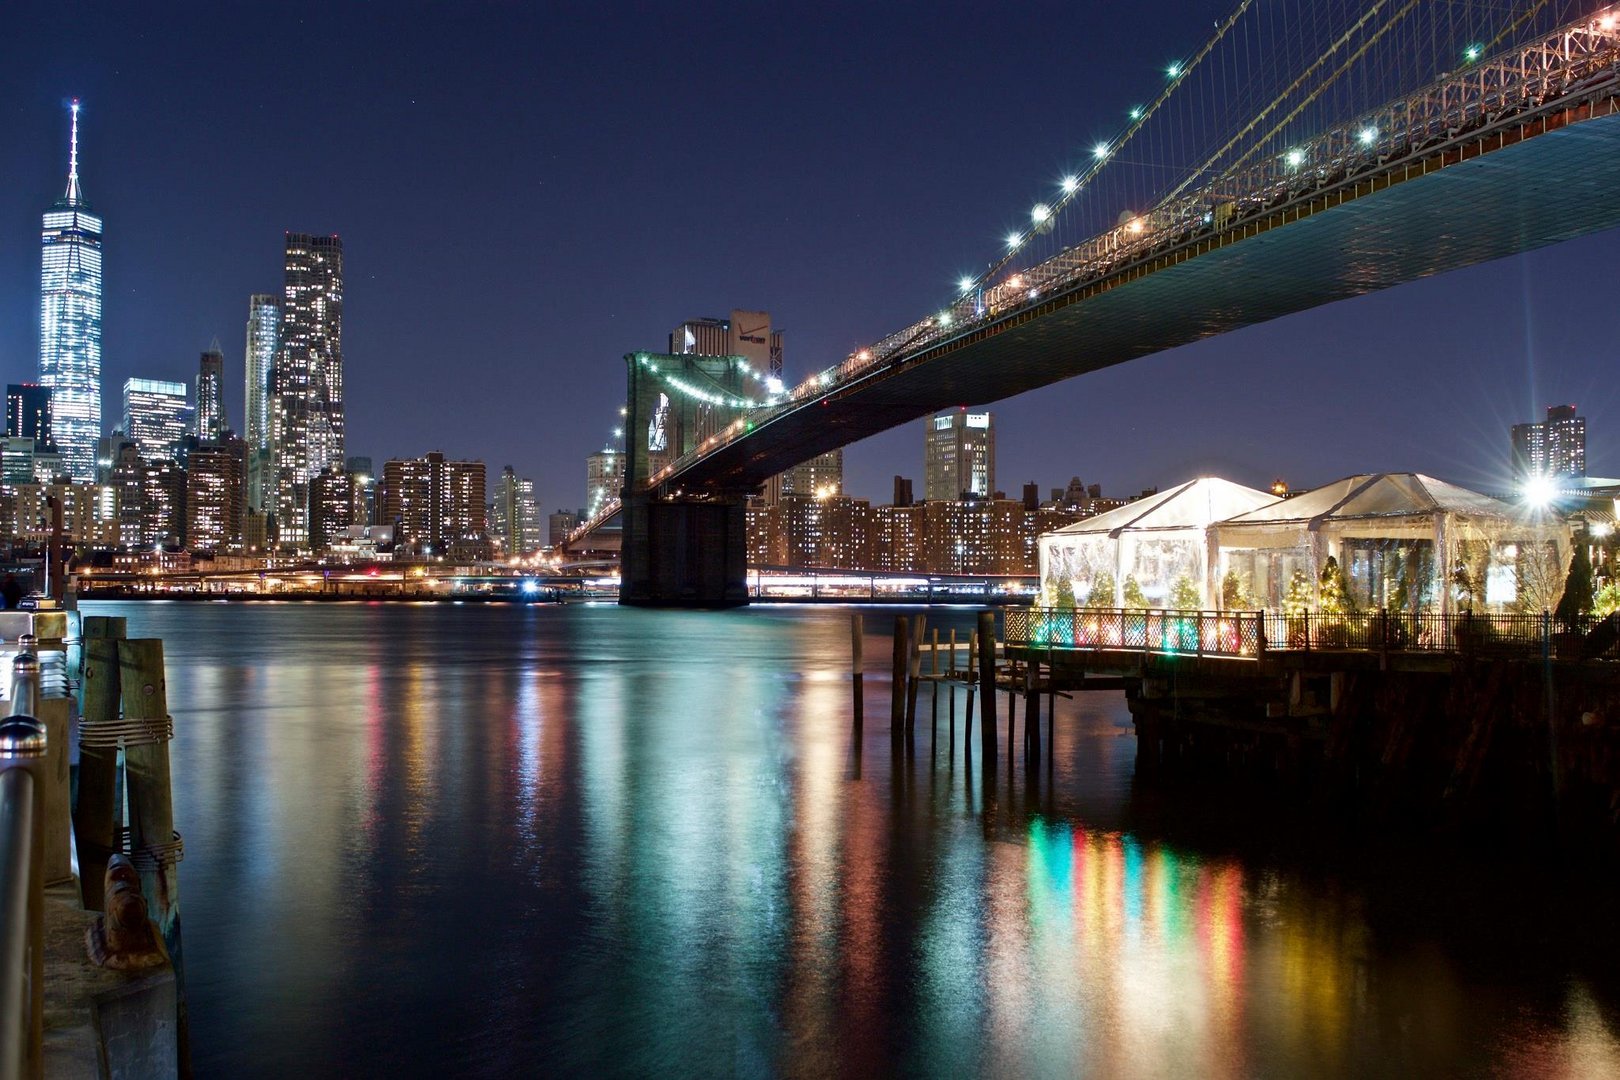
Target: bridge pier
684	552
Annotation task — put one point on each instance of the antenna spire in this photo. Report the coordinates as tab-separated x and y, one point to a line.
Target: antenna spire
73	193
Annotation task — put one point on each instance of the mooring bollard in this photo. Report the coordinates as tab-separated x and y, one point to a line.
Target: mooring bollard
124	938
23	749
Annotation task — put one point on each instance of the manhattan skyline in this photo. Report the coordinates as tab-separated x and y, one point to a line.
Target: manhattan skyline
488	305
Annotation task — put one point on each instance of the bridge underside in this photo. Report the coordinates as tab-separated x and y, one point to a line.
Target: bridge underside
1546	189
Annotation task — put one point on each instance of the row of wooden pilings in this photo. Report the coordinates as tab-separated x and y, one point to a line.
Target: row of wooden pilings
980	677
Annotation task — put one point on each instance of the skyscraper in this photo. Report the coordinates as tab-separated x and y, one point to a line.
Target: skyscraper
307	426
215	476
28	414
747	334
155	416
263	338
959	456
211	422
1554	447
70	319
515	517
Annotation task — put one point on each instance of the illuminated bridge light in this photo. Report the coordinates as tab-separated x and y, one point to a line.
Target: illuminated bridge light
1136	113
965	285
1473	52
1071	184
1367	136
1295	158
1014	239
1173	70
1100	151
944	318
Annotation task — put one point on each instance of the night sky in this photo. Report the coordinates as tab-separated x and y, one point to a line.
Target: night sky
528	191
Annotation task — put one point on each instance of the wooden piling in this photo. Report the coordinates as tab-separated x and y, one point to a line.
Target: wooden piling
897	692
1032	713
987	687
972	685
857	649
153	843
100	810
914	672
933	692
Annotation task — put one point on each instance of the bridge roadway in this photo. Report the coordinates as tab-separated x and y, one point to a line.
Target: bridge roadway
1483	196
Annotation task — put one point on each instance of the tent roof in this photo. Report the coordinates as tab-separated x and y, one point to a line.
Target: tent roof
1195	504
1376	495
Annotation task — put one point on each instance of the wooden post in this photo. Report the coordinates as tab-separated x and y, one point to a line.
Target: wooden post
152	839
933	693
953	651
987	687
897	694
913	673
857	649
100	811
972	685
1032	713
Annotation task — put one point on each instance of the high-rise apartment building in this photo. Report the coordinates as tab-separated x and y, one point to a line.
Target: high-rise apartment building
604	477
559	524
28	414
216	495
959	456
365	490
156	416
515	516
263	339
820	477
331	506
70	319
436	506
306	425
211	422
1554	447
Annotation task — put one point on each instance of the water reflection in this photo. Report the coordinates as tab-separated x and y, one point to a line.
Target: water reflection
436	840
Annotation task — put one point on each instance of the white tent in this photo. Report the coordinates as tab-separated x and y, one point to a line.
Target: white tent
1402	541
1156	549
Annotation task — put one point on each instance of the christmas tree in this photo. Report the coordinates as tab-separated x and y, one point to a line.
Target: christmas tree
1332	596
1102	591
1299	598
1185	596
1134	596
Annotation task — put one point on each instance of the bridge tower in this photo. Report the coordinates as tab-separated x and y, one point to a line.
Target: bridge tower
681	548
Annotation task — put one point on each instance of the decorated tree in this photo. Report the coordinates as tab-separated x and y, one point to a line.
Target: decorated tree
1300	597
1102	591
1607	600
1134	596
1235	592
1332	597
1184	595
1061	593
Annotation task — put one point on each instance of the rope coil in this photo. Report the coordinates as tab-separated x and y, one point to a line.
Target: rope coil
126	731
151	857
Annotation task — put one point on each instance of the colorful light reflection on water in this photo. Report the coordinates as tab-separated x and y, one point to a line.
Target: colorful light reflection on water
434	840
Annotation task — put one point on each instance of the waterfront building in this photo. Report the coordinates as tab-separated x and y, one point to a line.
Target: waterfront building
263	340
255	532
434	505
559	524
211	420
163	502
28	414
70	319
365	490
515	516
1554	447
972	536
216	496
89	513
959	455
831	531
306	425
897	544
604	477
156	416
331	506
120	467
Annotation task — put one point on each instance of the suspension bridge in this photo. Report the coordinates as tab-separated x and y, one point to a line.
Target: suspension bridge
1305	153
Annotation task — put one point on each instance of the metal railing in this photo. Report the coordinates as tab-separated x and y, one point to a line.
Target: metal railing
22	859
1252	634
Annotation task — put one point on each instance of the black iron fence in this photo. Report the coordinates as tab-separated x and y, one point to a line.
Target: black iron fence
1251	634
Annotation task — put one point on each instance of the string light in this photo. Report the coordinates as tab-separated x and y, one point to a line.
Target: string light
1070	184
1100	151
964	284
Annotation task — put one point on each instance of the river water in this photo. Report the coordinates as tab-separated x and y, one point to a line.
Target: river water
433	840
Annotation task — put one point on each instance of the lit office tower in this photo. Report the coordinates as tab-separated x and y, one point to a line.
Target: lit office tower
263	336
306	433
155	417
515	517
747	334
1554	447
28	414
70	319
604	476
959	456
211	422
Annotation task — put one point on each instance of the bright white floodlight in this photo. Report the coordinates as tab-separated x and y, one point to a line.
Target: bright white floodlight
1538	492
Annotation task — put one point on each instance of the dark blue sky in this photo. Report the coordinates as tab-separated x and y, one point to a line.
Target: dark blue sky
528	191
